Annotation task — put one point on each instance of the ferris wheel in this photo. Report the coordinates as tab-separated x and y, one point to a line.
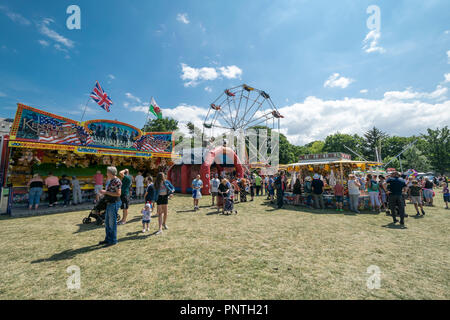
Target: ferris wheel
240	108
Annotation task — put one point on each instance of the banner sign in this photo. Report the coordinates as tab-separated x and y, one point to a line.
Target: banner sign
325	156
34	128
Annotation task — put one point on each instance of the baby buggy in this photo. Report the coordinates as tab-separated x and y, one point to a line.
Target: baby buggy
98	213
228	206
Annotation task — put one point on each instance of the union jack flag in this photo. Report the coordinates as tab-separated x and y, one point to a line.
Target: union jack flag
100	97
151	144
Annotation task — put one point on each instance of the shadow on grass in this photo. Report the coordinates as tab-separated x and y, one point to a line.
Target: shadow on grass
71	253
392	225
88	227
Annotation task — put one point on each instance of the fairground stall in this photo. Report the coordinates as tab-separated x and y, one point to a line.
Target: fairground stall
332	167
41	142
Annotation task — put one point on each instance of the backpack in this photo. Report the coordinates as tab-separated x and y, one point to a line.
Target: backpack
373	183
308	187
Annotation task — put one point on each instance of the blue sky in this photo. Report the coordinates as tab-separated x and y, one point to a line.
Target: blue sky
310	56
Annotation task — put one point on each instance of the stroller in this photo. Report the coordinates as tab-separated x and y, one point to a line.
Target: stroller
98	213
229	206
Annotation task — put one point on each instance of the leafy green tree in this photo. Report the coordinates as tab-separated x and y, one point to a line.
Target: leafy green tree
337	141
164	124
415	159
392	146
315	147
393	163
437	149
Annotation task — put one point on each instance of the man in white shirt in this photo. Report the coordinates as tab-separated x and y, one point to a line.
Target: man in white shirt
214	188
139	185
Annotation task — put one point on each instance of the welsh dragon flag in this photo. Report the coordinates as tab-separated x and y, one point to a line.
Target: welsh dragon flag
155	109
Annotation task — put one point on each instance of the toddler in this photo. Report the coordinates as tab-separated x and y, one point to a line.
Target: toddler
146	213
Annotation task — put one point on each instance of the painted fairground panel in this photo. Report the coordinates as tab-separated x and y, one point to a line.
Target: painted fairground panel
94	136
34	125
112	134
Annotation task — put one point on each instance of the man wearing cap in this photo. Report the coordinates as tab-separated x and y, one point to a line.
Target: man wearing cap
317	191
395	186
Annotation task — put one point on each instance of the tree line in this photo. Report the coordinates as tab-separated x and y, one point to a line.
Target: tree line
429	151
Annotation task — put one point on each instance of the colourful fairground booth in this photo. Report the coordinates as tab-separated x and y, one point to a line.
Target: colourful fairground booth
42	142
332	167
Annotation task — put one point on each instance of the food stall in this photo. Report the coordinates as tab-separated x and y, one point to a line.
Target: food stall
332	167
41	142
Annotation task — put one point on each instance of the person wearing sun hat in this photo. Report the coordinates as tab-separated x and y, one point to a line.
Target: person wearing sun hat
317	192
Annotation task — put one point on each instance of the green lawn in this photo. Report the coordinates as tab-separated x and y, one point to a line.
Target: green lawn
261	253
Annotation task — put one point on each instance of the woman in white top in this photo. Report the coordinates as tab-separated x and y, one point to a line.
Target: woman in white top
353	193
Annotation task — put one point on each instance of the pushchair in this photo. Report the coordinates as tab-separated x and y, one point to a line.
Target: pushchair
98	213
227	203
228	207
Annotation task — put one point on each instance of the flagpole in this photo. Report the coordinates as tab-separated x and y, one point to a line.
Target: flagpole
85	107
148	112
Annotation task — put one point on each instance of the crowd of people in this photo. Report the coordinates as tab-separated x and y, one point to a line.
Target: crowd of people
387	194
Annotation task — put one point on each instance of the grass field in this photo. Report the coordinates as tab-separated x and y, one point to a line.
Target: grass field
261	253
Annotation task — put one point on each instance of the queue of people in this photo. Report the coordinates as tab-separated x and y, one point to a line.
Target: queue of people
387	195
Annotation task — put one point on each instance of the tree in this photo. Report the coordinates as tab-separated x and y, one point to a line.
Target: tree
164	124
372	140
437	149
336	142
315	147
392	146
394	164
415	159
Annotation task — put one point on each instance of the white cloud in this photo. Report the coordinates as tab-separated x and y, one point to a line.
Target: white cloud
111	76
141	108
15	17
192	76
43	43
408	94
448	56
356	115
208	89
447	77
231	72
45	30
336	81
196	74
185	113
132	97
183	18
363	91
371	42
